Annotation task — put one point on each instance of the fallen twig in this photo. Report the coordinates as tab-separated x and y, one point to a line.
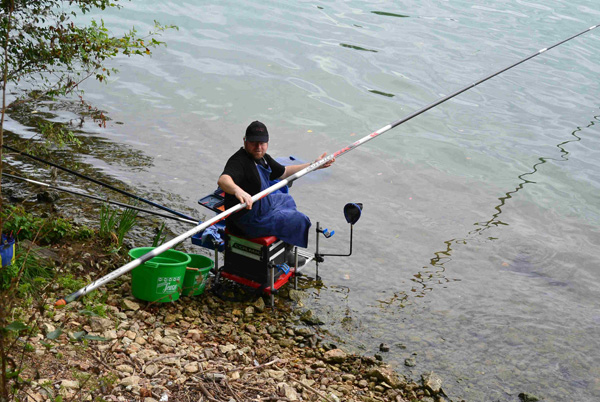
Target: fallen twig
277	360
311	389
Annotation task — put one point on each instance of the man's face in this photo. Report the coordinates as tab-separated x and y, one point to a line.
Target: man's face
256	149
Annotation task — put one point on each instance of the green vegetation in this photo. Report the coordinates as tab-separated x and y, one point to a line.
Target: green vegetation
27	283
159	238
114	226
47	53
26	226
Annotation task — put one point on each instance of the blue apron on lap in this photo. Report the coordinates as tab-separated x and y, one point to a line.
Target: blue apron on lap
275	215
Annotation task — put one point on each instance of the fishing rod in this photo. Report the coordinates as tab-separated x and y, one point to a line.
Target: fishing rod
66	190
313	166
99	182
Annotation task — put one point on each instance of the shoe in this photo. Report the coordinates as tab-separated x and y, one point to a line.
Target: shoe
290	259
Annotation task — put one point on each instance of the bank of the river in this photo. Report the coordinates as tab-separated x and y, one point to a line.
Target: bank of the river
110	347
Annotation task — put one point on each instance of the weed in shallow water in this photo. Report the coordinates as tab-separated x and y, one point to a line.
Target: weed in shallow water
158	240
114	226
126	223
108	220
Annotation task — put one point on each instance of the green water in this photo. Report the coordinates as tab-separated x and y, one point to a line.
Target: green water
477	248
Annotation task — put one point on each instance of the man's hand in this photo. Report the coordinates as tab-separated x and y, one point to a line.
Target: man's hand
326	164
228	185
243	196
293	169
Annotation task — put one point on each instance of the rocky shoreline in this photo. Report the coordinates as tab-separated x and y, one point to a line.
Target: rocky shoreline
202	349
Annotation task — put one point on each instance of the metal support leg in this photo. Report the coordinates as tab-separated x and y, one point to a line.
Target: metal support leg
272	280
296	268
317	251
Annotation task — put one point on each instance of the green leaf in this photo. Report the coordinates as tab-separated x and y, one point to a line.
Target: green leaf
54	334
95	338
16	326
88	313
79	335
47	345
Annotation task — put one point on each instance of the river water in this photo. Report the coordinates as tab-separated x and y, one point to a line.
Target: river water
477	252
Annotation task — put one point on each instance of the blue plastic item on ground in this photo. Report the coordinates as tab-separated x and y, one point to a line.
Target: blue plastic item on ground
7	250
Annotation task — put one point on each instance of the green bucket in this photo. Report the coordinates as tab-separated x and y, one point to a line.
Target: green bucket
196	274
159	279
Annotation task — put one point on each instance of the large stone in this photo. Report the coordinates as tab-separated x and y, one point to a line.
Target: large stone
525	397
68	384
227	348
99	324
47	328
191	367
276	374
42	252
110	334
311	318
432	382
48	196
191	312
387	375
259	304
172	332
131	380
335	356
151	370
125	368
288	391
297	295
170	318
286	343
129	305
147	354
168	341
305	332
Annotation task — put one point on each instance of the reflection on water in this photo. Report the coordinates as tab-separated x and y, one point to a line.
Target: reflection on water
435	273
381	93
81	120
93	156
357	48
387	14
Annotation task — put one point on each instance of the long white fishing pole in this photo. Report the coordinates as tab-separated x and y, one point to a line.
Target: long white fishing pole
166	246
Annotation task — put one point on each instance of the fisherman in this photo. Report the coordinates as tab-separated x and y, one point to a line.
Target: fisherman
251	170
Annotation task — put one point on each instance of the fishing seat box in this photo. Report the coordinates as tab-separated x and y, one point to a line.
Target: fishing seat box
251	258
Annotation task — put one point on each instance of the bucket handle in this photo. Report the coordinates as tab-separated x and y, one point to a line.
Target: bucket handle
192	269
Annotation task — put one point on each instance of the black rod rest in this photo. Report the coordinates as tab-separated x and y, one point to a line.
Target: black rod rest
319	256
352	213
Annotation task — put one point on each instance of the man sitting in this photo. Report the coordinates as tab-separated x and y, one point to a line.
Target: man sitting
251	170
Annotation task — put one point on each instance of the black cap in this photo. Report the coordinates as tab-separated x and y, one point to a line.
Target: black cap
257	132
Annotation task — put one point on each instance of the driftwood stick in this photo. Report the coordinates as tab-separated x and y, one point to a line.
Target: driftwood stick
206	393
276	360
311	389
